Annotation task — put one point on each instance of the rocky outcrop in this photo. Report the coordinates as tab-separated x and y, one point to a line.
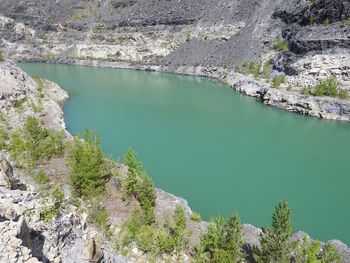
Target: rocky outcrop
6	173
310	12
21	96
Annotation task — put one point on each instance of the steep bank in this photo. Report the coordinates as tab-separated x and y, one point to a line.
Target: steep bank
303	41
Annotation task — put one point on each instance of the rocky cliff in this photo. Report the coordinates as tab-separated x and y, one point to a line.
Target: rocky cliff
303	41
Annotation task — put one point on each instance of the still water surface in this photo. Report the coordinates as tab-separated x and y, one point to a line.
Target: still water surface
220	150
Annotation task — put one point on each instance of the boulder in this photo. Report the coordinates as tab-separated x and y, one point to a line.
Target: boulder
93	252
6	173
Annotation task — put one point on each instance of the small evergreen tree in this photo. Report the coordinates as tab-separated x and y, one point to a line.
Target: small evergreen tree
234	237
275	240
87	165
222	242
179	230
131	161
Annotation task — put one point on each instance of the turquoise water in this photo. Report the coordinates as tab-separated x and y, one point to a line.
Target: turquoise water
220	150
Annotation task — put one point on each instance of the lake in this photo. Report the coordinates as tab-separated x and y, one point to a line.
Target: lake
218	149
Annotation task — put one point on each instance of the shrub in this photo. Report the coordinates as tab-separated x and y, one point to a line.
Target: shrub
343	94
249	67
131	161
145	239
196	217
326	22
278	80
222	242
2	58
166	242
328	87
54	200
346	22
4	137
87	165
146	196
306	91
139	185
311	251
41	178
179	230
34	143
266	71
99	216
275	244
257	69
281	45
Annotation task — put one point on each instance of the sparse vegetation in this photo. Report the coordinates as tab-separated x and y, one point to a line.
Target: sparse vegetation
311	251
87	167
99	216
2	57
257	69
41	178
328	87
196	217
155	238
278	80
326	22
52	204
281	45
222	242
34	143
275	240
346	22
139	185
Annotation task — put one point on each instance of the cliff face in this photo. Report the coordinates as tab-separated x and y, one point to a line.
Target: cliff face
304	41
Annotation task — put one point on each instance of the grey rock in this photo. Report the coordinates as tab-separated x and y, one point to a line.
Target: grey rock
6	173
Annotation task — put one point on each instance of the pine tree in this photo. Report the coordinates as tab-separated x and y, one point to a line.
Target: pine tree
87	165
275	240
234	238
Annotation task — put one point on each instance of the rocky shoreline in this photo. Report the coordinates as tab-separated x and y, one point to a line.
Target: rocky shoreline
320	107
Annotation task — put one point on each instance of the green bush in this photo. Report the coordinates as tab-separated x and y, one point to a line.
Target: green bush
257	69
139	185
196	217
326	22
2	58
222	242
145	239
275	245
278	80
306	91
346	22
41	178
55	200
4	138
131	161
266	71
87	166
179	230
281	45
165	241
328	87
343	94
249	67
153	238
311	251
34	143
99	216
